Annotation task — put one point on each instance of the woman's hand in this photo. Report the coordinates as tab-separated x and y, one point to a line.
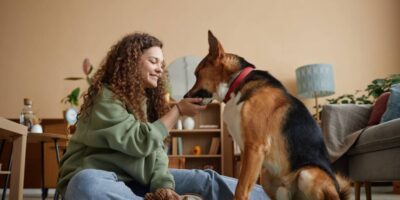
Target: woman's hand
189	106
186	106
162	194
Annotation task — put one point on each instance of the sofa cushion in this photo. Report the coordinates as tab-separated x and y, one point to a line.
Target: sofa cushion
379	137
378	109
393	105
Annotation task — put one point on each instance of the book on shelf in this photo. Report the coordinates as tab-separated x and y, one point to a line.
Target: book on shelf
174	146
208	126
177	146
180	145
214	147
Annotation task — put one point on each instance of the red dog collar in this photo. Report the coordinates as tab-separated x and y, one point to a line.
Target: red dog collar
236	82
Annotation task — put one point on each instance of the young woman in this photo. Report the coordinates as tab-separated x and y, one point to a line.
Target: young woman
117	149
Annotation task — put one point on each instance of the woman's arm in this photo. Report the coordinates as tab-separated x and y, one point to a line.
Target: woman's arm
161	177
111	126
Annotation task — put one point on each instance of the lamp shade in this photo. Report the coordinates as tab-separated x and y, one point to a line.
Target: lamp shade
315	80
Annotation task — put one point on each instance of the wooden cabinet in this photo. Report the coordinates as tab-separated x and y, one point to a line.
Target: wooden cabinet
208	127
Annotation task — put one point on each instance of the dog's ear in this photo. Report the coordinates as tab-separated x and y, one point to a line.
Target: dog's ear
216	49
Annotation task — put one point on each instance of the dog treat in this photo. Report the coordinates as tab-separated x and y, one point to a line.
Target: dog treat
205	101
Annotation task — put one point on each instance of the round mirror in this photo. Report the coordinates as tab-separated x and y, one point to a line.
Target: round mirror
181	75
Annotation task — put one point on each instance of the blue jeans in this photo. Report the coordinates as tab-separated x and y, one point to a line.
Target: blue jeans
99	184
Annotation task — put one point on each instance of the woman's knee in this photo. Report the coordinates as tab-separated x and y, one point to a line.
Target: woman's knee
90	177
91	184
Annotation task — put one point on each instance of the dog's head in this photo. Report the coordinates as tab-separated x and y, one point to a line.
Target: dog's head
214	71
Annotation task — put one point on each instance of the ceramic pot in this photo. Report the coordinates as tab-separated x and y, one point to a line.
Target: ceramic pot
188	123
37	128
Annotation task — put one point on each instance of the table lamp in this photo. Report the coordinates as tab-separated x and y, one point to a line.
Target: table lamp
313	81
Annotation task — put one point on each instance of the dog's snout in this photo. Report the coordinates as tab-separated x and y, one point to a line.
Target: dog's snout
202	93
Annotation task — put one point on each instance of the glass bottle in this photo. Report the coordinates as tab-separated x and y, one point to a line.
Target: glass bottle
27	116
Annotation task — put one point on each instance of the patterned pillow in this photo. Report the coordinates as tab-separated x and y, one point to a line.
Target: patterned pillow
393	105
378	109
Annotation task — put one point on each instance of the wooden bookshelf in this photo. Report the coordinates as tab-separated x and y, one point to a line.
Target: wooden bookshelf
201	137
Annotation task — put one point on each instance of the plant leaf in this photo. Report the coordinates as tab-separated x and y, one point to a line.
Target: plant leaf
90	69
73	78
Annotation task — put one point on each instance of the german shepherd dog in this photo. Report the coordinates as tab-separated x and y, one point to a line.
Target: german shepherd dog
276	133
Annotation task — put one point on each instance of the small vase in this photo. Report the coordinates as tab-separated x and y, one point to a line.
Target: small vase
179	124
188	123
37	128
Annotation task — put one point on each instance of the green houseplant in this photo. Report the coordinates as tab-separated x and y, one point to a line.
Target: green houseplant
73	98
370	94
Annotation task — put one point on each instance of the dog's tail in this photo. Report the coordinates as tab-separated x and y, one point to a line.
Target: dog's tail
344	187
315	183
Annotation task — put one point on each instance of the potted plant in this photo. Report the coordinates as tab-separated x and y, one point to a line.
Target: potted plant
73	97
70	114
370	94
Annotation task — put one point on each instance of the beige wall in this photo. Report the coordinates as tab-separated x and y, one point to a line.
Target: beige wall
41	42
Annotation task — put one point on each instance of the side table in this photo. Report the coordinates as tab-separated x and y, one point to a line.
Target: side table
42	138
16	133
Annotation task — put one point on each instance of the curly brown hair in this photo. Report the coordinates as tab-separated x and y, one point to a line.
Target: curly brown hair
120	72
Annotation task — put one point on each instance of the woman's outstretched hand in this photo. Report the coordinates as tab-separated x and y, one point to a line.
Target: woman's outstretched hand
190	106
187	106
162	194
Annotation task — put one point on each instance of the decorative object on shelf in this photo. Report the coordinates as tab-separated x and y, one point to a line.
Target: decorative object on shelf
179	124
71	115
315	80
197	150
188	123
27	116
37	128
181	75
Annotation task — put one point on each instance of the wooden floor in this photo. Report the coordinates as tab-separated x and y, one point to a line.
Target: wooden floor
378	193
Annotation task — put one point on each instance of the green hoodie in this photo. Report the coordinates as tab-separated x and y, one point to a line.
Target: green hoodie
111	139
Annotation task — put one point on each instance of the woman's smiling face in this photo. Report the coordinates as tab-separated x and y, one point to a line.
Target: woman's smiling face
150	64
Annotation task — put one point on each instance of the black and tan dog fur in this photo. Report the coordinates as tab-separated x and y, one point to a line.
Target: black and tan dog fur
279	137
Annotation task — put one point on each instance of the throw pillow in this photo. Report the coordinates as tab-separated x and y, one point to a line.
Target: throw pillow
378	109
393	105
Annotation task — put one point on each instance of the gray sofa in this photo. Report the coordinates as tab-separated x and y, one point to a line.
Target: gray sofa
364	154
